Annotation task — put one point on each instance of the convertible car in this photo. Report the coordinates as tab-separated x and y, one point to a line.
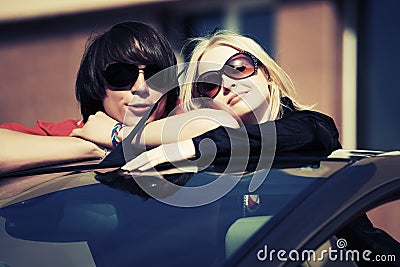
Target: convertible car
310	214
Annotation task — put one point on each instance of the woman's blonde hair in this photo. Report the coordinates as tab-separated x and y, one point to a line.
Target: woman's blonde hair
272	71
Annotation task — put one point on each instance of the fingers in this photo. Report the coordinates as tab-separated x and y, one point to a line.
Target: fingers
101	114
135	163
141	163
135	174
173	153
75	132
146	160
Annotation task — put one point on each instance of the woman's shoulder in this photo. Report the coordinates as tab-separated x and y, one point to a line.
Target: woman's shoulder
307	115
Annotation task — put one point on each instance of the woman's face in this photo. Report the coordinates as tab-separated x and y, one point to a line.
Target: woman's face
130	104
246	99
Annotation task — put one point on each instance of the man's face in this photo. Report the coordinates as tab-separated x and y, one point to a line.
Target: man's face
130	103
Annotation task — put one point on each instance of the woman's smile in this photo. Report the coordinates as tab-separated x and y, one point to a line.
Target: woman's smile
235	98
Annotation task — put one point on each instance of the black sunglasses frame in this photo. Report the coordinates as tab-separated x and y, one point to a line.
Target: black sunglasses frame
128	74
222	71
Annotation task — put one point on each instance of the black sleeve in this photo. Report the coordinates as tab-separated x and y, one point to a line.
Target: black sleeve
305	131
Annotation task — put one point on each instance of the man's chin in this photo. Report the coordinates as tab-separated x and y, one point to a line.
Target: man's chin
131	119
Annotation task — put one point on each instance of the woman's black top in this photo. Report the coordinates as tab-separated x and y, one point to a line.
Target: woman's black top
307	133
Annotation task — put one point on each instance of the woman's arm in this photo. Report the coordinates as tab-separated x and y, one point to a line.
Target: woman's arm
172	136
22	151
304	131
182	126
301	132
167	130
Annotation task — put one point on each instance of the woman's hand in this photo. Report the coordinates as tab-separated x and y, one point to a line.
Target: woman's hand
97	129
173	153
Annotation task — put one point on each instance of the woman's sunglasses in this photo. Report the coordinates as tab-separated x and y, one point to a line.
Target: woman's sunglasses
239	66
120	76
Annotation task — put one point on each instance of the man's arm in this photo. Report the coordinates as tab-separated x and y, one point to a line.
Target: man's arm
22	151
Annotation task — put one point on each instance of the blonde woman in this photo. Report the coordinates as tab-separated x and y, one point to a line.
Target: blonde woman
234	76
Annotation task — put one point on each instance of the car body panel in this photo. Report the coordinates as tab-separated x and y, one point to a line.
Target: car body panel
112	221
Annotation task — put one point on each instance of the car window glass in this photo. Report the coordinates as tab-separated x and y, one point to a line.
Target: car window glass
118	217
367	240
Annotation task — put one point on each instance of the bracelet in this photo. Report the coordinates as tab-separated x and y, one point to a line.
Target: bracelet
114	133
106	152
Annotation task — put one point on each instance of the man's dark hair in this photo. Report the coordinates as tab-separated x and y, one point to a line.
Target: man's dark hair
128	42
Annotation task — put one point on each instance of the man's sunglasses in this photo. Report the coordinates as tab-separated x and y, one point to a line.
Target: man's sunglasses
239	66
120	76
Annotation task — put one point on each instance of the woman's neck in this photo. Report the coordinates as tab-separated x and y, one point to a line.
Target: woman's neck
258	116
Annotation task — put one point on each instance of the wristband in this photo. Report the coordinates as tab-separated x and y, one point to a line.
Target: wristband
106	152
115	132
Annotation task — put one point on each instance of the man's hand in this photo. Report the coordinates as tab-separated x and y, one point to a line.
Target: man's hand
97	129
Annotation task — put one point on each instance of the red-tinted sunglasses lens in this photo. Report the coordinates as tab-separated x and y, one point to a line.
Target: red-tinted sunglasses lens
239	66
208	84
